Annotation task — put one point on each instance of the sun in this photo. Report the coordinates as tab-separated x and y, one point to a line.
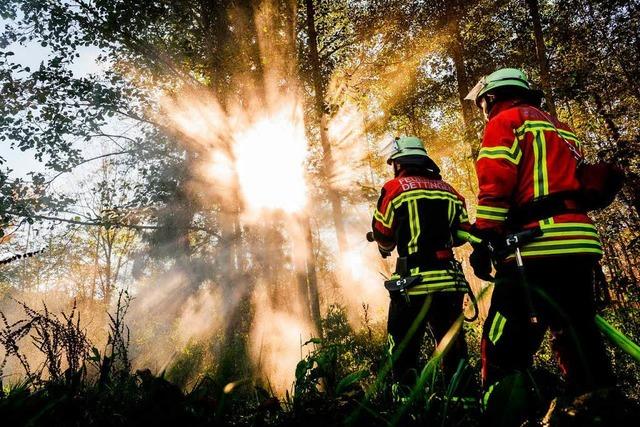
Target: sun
270	157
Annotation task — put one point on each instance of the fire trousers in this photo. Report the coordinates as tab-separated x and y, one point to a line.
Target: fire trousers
407	323
562	293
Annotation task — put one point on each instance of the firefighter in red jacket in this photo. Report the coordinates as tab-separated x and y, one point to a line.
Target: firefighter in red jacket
527	178
417	214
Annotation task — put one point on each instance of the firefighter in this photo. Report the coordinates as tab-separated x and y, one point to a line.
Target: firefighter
527	178
417	214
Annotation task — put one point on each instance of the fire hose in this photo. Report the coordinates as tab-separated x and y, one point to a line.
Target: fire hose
618	338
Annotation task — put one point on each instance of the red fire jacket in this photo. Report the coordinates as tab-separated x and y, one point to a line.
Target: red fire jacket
419	217
524	158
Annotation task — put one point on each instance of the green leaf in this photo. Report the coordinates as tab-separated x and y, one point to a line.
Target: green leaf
350	380
313	341
301	369
95	357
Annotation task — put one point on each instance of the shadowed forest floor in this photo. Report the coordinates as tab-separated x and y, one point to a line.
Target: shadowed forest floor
343	380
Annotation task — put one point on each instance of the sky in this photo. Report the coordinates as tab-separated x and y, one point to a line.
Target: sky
22	162
31	55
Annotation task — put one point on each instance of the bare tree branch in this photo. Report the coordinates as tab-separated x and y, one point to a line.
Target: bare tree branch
102	156
106	224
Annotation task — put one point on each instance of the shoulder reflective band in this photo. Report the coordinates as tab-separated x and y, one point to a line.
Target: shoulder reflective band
618	338
512	154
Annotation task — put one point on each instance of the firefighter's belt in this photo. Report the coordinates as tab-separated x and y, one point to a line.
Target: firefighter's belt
402	284
545	207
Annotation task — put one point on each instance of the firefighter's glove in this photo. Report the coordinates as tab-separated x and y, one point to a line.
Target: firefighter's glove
384	252
480	261
482	254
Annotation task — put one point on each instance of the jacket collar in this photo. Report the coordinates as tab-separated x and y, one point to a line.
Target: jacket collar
403	174
501	106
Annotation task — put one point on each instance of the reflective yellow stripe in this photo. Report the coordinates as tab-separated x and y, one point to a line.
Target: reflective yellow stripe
540	173
433	274
569	233
575	230
566	246
564	238
495	209
425	194
531	125
570	136
387	218
541	126
437	281
561	251
492	213
464	215
545	221
564	242
573	226
544	170
512	154
534	125
490	217
468	237
444	287
414	225
497	327
440	278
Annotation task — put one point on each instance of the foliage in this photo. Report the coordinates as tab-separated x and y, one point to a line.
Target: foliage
328	390
59	340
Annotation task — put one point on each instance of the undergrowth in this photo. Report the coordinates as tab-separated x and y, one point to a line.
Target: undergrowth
343	380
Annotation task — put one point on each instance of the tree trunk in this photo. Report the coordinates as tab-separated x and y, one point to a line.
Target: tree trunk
608	261
462	79
107	293
319	103
608	120
541	55
306	274
96	255
312	280
628	263
456	51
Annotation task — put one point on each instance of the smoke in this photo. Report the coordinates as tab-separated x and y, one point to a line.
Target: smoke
277	335
252	157
374	77
161	321
248	158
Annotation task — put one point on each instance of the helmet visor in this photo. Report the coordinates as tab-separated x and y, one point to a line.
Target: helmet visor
473	93
389	149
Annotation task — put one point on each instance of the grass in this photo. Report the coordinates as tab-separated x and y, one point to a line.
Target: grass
342	381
